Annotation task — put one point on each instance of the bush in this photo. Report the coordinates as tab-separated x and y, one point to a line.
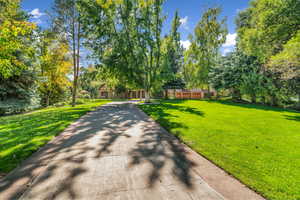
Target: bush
14	106
84	94
80	101
19	93
60	104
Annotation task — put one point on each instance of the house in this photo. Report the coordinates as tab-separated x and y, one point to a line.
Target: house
108	93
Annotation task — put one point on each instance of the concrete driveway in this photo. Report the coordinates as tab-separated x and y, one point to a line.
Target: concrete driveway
118	153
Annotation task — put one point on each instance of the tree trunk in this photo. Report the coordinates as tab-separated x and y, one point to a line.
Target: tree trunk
74	91
174	93
147	96
166	94
78	58
208	91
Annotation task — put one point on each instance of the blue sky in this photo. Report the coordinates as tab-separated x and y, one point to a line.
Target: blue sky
189	10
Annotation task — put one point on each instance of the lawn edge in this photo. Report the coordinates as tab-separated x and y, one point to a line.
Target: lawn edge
3	175
211	182
15	183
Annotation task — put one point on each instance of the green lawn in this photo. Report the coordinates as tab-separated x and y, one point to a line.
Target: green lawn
23	134
259	145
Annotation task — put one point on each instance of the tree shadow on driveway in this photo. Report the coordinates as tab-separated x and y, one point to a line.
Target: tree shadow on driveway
159	148
73	145
95	136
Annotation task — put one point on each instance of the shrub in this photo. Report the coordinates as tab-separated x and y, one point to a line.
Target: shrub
84	94
14	106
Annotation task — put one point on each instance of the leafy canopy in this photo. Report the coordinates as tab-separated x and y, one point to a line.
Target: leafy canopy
15	34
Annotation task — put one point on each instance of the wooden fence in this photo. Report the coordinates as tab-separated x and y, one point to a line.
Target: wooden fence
188	94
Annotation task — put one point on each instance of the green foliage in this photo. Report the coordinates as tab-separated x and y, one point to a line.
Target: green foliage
15	35
245	75
267	25
287	61
238	73
19	93
209	35
128	44
276	45
172	52
252	83
67	22
21	135
90	80
55	66
13	106
256	144
9	9
227	74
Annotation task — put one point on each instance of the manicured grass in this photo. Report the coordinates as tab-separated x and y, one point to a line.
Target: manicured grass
23	134
259	145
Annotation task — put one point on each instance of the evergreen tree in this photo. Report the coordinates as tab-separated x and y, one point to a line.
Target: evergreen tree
173	56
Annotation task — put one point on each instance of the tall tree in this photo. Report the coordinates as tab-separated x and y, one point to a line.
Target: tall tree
209	35
172	51
15	34
90	80
126	38
67	20
259	35
149	38
240	74
55	66
287	63
18	79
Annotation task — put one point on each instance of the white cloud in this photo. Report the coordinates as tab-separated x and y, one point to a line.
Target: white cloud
185	43
227	50
230	40
35	13
184	22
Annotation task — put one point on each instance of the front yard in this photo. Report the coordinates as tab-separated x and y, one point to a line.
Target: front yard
259	145
23	134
